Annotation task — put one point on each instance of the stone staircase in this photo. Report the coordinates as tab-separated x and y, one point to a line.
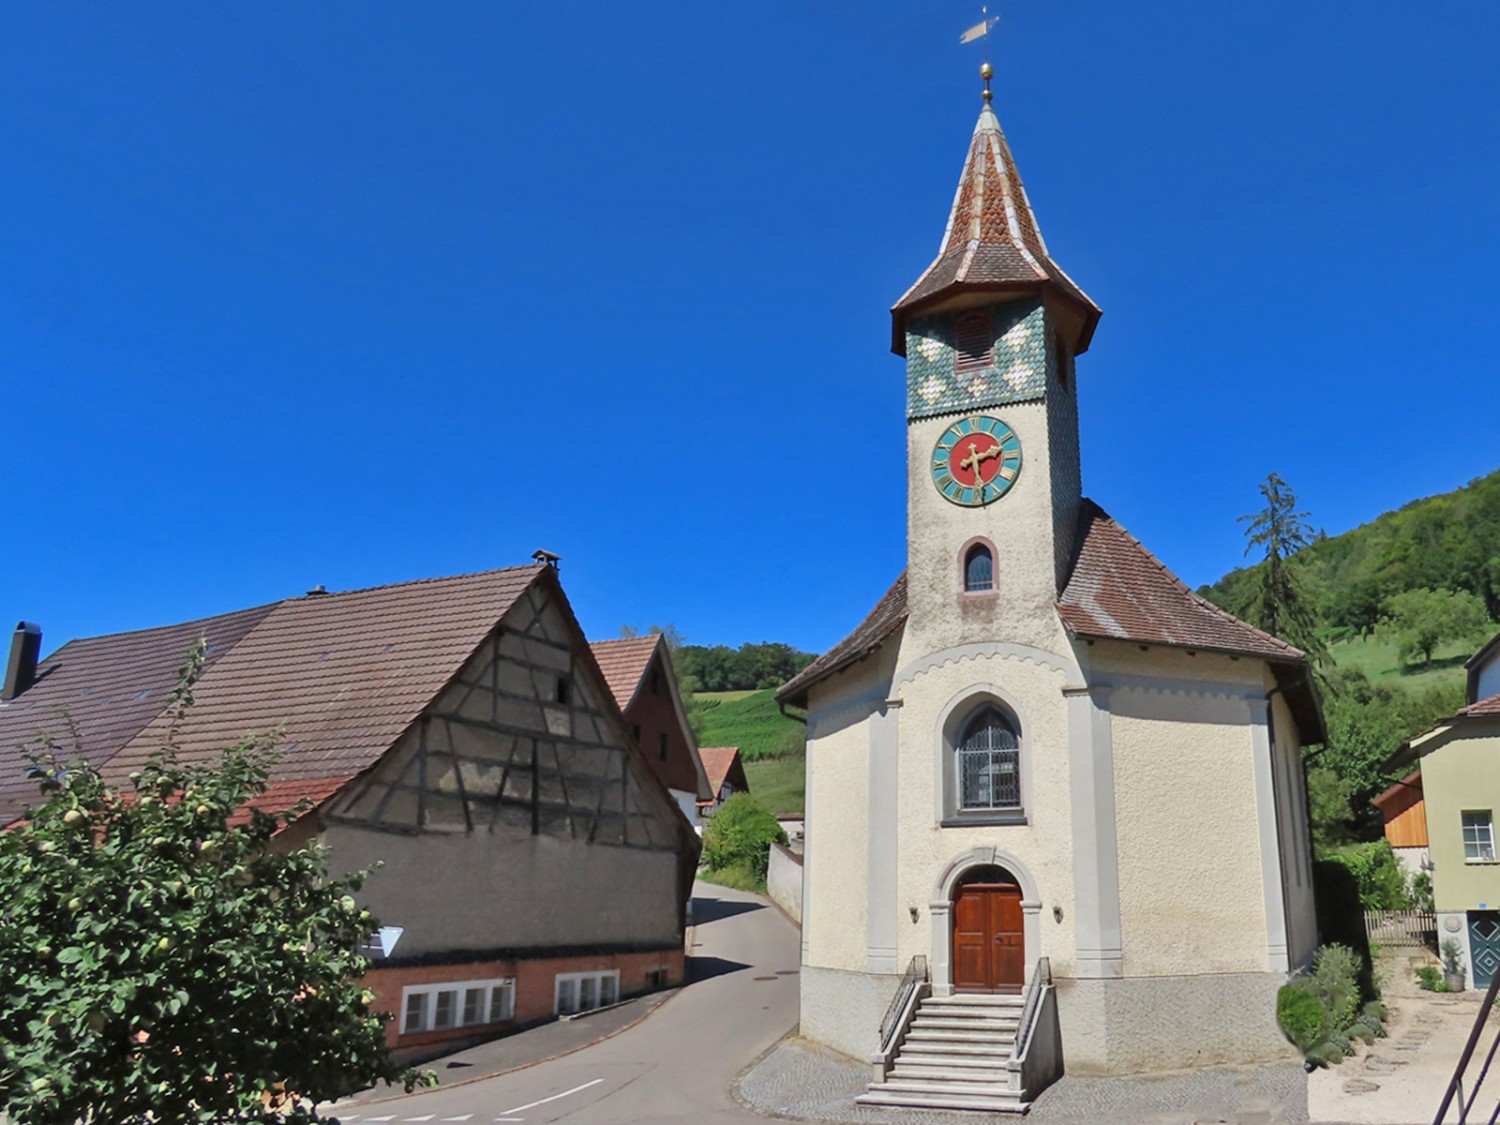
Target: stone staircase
955	1056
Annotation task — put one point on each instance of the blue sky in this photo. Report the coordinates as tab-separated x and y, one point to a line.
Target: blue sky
353	293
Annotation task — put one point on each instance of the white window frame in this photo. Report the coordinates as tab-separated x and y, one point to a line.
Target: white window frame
1483	842
595	978
460	990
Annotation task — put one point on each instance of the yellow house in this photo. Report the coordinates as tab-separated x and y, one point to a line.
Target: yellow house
1459	781
1055	808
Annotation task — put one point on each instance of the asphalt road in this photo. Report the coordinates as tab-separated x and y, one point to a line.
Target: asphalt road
674	1066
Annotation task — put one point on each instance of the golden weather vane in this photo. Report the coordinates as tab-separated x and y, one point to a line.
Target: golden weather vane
981	30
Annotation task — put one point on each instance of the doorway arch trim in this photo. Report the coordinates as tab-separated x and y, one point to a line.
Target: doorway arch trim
941	911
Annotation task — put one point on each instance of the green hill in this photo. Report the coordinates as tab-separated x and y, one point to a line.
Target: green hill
1446	542
1373	699
771	743
750	720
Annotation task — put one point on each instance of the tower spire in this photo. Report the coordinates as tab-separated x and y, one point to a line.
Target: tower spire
992	243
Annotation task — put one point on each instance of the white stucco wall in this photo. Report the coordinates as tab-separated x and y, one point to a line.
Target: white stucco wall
836	805
784	881
1191	895
1033	690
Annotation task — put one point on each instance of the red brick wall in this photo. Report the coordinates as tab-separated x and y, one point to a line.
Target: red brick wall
535	988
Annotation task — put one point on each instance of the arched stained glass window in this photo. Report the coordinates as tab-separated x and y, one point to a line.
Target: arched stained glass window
979	569
989	762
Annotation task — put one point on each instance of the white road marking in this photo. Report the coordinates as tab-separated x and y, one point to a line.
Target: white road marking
465	1117
544	1101
429	1117
387	1117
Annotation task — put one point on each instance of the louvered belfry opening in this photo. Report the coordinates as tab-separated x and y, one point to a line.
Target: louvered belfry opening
974	342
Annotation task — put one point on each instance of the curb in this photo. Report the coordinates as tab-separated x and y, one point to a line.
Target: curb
469	1080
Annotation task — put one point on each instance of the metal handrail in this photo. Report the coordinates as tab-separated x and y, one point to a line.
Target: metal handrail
1456	1083
1041	979
916	973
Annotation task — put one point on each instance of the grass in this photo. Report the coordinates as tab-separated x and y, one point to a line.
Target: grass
1379	662
778	784
739	877
714	698
751	721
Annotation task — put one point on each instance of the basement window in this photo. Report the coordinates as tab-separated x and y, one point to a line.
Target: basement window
583	992
450	1004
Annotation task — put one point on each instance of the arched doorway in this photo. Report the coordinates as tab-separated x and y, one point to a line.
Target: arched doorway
989	937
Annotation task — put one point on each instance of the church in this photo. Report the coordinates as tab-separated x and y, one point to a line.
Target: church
1055	810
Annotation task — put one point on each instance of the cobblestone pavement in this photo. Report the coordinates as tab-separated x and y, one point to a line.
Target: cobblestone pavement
800	1079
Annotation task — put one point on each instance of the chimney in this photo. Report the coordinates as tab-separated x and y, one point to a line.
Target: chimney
25	647
546	558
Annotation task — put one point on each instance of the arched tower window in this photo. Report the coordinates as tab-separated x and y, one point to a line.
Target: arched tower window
979	569
988	761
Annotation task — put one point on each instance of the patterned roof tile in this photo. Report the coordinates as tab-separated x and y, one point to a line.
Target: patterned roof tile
992	241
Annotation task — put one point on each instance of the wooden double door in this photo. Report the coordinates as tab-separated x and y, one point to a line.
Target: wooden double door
989	941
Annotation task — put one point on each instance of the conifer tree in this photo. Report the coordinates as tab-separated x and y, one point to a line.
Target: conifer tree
1278	604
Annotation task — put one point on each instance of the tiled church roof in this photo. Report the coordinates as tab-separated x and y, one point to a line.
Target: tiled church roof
1117	590
887	616
1121	591
992	241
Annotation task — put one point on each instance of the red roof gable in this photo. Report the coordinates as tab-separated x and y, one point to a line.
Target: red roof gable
624	663
719	762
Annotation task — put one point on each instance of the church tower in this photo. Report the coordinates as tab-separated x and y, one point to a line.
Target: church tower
990	331
1043	774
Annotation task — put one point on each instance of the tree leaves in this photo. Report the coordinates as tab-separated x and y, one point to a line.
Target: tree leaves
166	963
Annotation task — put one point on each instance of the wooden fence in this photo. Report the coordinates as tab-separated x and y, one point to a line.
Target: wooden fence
1413	928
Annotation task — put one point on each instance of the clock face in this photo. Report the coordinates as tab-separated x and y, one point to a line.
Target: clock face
976	461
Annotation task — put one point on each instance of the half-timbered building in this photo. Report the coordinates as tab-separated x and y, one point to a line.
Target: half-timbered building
459	732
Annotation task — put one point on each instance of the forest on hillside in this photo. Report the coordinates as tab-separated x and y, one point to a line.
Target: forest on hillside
1389	612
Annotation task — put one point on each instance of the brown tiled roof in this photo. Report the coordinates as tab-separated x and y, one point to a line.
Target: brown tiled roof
342	675
92	696
887	616
288	794
624	662
1483	709
992	241
1120	590
717	763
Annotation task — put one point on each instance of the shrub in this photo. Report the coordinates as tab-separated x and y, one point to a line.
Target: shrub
1301	1016
1420	891
740	835
1336	971
1380	879
1430	978
1453	956
1321	1011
